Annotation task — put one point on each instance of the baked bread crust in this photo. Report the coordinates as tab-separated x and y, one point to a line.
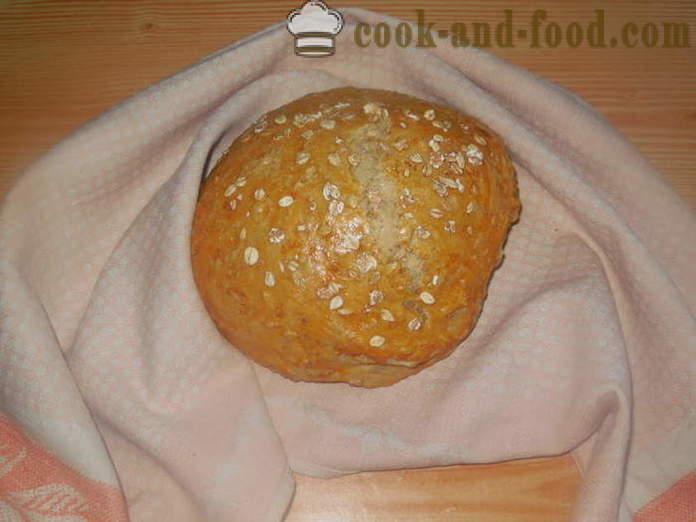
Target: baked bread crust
350	235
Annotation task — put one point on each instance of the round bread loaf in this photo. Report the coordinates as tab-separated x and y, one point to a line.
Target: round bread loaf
350	235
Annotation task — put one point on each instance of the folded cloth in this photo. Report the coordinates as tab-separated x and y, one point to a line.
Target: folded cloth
121	399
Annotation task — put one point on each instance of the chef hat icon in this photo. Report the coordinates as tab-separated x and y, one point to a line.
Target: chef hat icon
314	27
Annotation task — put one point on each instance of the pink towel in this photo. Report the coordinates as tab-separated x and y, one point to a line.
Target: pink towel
121	399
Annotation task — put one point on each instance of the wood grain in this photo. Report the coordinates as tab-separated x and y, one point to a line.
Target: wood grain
63	62
532	490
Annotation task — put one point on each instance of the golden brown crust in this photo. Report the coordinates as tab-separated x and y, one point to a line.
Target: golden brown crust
350	235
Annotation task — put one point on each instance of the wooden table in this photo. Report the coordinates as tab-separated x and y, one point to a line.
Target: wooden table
63	62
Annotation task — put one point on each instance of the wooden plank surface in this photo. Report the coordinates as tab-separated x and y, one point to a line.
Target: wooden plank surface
532	490
62	62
